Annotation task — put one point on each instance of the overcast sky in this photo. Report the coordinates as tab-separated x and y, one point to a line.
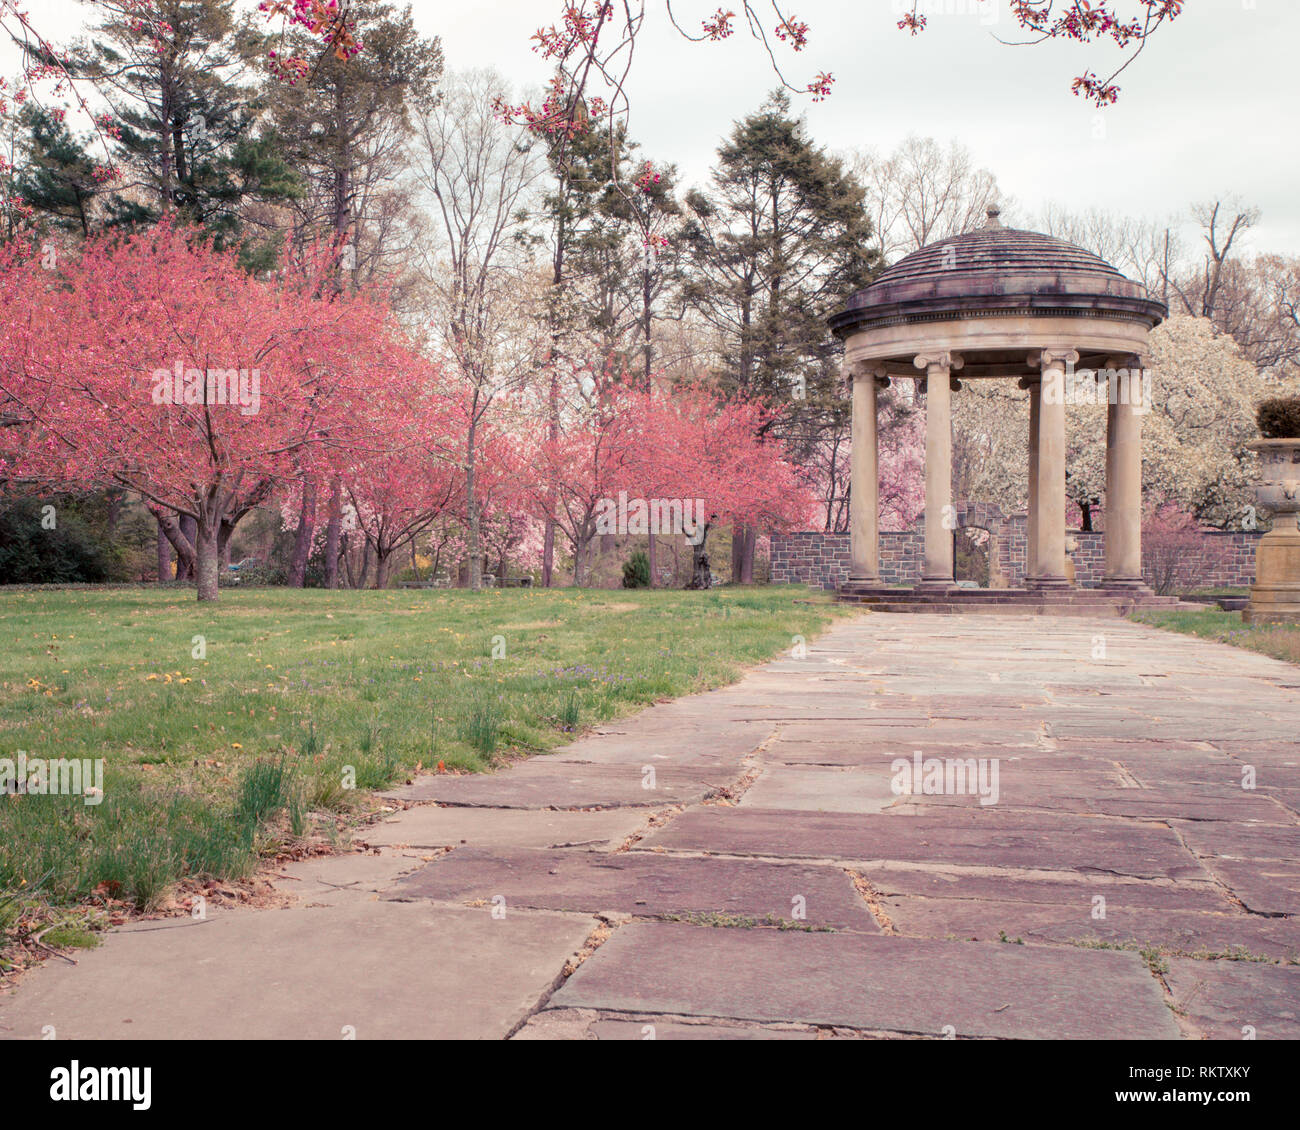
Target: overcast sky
1208	110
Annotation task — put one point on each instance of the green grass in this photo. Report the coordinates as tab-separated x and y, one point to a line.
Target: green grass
1281	642
300	701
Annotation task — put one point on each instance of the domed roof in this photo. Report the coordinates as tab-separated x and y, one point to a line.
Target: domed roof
998	270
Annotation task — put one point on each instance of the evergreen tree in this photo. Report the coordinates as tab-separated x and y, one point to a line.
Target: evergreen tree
185	114
780	241
56	175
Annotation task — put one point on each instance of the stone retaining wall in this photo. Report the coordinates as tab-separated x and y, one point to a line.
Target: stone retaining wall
821	560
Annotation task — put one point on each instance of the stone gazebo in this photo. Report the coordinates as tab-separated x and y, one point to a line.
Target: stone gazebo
1001	303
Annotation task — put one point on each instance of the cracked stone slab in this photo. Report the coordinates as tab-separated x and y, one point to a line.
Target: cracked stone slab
643	883
1267	887
428	826
1182	931
586	1024
872	982
1011	887
543	783
388	970
327	879
1242	841
977	837
1229	1000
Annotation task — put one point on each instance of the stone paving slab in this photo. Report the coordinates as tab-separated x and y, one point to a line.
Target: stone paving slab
1193	933
329	879
705	740
1242	841
545	783
429	826
389	970
905	737
1264	887
1144	804
1078	892
854	752
643	884
1289	799
871	982
587	1024
1230	1000
984	837
816	790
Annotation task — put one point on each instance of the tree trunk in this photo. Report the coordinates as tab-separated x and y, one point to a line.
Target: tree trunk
302	542
548	553
114	511
164	556
208	556
652	555
471	511
189	531
749	542
382	565
184	546
701	572
225	535
579	571
365	567
333	531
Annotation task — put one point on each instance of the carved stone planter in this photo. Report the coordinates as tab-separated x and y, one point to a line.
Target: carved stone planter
1275	597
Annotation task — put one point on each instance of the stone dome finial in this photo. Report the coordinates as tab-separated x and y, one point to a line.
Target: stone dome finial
994	217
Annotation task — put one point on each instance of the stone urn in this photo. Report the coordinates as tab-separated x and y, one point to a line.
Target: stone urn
1275	597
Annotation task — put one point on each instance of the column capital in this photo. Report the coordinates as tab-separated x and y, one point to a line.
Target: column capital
1048	358
862	370
941	360
1027	383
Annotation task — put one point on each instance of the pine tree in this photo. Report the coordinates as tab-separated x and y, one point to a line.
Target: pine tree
782	238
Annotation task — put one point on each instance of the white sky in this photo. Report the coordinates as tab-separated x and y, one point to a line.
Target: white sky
1207	111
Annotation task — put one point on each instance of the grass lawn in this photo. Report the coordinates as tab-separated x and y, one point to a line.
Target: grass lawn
1227	627
232	732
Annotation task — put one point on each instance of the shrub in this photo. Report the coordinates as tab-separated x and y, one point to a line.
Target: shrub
1279	418
1177	554
636	572
31	554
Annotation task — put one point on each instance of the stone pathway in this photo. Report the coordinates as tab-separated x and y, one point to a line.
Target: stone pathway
743	864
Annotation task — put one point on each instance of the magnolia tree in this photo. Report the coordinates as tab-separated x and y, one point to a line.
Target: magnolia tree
157	365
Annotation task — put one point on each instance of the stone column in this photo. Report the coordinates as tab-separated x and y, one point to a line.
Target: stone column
1124	475
1049	538
938	568
1031	526
864	498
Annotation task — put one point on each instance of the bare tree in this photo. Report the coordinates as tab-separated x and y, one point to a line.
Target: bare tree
1199	292
922	193
1146	250
479	173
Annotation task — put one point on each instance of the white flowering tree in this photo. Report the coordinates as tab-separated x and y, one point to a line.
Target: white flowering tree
1204	392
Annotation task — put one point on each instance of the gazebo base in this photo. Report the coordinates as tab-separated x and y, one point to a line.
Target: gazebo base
1005	602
